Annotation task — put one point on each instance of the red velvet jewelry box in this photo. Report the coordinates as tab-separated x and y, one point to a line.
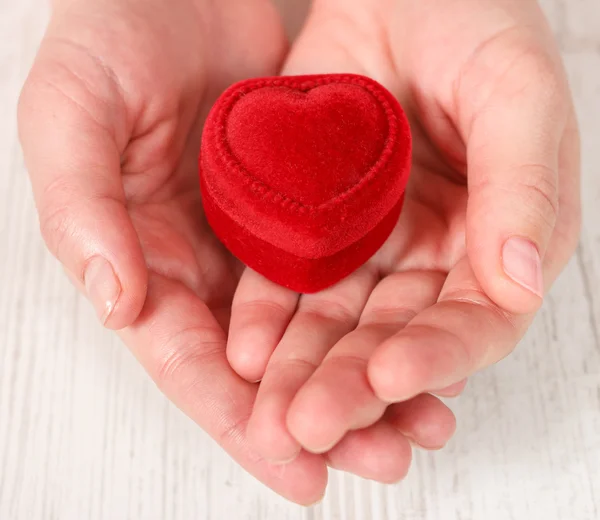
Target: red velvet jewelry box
303	178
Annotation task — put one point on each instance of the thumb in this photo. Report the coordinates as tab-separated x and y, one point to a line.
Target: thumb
322	45
68	115
513	156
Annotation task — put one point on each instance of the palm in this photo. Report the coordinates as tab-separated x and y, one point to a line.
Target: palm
179	245
430	234
404	277
179	79
145	86
176	239
132	84
313	393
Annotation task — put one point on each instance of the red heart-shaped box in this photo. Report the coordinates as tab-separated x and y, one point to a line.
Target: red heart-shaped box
303	178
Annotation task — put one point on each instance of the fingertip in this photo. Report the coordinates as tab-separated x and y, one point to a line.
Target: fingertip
510	296
313	419
113	274
515	283
305	479
508	267
425	420
503	289
128	305
112	312
522	263
260	313
379	453
392	375
453	390
247	352
268	434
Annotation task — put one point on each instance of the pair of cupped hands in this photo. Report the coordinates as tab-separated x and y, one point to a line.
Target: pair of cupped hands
110	121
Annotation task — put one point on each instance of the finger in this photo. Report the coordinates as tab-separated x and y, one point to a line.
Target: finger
451	391
462	333
379	453
260	313
70	115
320	321
312	333
513	143
293	14
338	397
568	227
182	347
424	419
317	50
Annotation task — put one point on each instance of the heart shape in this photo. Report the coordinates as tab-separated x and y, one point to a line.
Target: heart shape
303	178
309	145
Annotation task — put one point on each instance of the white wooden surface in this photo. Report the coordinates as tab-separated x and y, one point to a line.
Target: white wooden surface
84	434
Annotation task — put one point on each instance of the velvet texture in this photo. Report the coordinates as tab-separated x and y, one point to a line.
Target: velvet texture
303	178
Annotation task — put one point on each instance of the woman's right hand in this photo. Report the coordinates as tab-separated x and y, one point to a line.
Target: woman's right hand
110	120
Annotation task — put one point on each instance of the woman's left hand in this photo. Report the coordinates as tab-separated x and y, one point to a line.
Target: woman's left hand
491	218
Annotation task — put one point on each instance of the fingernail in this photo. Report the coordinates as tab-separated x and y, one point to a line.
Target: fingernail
523	264
102	287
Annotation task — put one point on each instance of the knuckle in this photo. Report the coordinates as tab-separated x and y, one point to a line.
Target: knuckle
541	70
535	73
390	316
294	363
57	226
185	370
539	188
57	214
265	308
234	431
349	362
529	192
184	354
72	80
461	345
481	301
502	325
330	310
524	67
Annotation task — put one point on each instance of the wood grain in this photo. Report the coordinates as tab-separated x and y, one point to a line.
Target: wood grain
85	435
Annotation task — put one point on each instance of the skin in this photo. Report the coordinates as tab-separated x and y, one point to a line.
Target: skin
110	120
496	156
